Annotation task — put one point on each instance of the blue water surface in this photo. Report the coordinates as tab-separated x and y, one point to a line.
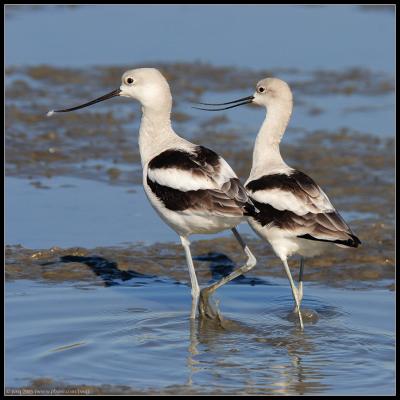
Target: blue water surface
255	36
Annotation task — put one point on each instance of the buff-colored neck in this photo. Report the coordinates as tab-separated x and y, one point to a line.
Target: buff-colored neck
266	155
155	133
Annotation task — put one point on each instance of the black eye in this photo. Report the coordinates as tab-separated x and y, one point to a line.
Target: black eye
261	89
129	80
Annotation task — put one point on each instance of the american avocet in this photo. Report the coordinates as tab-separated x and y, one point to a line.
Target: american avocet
191	187
295	215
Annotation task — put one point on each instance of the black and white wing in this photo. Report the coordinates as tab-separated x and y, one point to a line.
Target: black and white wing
198	181
294	202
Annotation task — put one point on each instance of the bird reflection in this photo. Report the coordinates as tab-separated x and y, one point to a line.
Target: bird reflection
220	347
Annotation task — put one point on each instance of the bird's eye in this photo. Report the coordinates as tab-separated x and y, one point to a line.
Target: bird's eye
261	89
129	80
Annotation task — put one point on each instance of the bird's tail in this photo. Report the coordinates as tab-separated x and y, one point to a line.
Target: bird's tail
250	210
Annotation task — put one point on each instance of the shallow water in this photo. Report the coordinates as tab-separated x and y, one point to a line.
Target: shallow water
67	213
138	334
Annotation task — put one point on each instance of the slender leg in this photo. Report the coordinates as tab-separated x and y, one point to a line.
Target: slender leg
295	292
250	263
300	286
193	279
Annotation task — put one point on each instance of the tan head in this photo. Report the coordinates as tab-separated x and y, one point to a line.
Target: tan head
147	85
270	91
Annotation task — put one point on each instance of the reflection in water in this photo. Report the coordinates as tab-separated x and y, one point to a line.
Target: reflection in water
221	338
149	342
296	377
259	355
192	351
143	327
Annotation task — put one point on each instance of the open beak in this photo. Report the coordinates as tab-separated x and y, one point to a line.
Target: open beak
236	103
107	96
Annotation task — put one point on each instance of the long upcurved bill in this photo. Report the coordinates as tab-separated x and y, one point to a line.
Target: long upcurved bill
107	96
240	102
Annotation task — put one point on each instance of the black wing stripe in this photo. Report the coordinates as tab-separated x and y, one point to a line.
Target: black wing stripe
202	157
232	197
296	182
354	241
318	224
214	201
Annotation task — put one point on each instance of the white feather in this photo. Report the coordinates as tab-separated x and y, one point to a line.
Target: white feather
285	200
180	179
185	180
225	173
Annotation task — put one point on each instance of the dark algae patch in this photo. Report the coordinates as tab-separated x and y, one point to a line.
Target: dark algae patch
366	266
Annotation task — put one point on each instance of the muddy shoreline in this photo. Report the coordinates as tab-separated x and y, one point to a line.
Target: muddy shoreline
368	266
356	169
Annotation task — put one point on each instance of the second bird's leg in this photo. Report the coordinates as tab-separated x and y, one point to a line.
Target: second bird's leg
295	291
208	291
300	286
193	279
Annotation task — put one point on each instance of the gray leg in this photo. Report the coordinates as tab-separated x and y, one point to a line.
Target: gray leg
250	263
193	279
300	286
295	292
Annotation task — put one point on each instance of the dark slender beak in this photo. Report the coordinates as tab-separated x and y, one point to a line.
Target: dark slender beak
107	96
240	102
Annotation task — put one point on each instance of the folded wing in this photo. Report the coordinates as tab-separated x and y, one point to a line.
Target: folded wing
295	203
198	180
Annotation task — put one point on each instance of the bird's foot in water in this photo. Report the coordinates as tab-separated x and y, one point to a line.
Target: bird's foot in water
207	307
308	316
